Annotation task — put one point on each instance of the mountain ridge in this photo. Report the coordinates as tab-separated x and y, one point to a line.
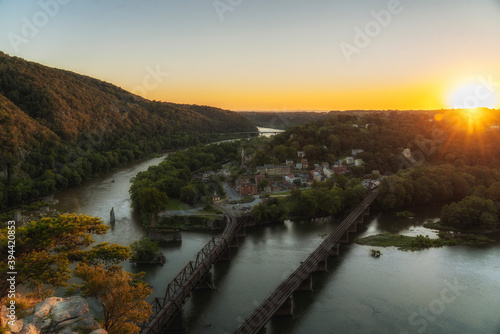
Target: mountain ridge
59	128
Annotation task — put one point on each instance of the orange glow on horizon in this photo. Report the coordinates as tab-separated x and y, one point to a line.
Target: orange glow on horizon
419	97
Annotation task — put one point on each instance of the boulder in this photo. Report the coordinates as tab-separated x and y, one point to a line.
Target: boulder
58	315
43	308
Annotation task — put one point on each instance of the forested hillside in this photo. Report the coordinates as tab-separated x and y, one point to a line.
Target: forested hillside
58	128
435	137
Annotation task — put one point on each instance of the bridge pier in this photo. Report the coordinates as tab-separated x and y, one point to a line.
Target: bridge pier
345	238
322	266
177	322
207	283
353	227
234	243
226	255
242	232
334	250
306	285
285	310
367	211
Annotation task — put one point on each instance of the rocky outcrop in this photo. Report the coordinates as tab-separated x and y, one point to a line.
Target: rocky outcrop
57	315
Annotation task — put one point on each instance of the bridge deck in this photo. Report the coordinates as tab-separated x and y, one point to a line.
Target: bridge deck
260	316
165	310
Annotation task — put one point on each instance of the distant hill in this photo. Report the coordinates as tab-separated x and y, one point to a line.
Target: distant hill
283	119
58	128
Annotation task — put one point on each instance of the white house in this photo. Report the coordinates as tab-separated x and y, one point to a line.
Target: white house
328	172
407	153
349	161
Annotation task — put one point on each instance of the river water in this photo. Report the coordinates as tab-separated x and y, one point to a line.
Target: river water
440	290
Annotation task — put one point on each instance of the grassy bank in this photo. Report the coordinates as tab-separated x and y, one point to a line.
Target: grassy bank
403	242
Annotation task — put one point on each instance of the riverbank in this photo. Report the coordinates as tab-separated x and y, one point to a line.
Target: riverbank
192	223
438	226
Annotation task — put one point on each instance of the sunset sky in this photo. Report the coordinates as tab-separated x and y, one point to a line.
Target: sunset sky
271	55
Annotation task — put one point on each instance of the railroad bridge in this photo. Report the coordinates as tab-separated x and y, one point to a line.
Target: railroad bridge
280	302
167	311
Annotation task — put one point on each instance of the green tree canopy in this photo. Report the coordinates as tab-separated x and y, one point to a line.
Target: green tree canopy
45	249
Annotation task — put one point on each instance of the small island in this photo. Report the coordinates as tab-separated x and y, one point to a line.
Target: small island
147	251
403	242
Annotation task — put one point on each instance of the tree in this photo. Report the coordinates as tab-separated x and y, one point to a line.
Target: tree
188	194
145	251
471	212
263	184
45	249
121	295
341	180
151	200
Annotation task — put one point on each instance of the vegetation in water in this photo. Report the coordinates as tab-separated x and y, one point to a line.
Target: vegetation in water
146	251
403	242
375	252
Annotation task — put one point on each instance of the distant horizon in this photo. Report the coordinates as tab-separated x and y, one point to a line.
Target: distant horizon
280	55
348	110
256	110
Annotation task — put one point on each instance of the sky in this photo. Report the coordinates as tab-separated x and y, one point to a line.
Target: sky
277	55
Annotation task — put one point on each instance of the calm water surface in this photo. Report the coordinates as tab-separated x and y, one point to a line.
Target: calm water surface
400	292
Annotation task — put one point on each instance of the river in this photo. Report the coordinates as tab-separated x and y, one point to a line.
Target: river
439	290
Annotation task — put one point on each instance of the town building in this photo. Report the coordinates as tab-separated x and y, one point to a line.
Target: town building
291	178
358	162
328	172
259	178
245	188
340	169
349	161
407	153
273	170
315	176
305	163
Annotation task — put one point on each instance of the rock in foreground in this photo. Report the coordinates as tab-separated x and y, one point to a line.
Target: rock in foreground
57	315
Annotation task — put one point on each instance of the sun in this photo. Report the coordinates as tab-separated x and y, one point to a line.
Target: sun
471	95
